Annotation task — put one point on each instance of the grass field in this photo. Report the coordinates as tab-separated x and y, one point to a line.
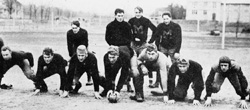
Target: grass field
19	98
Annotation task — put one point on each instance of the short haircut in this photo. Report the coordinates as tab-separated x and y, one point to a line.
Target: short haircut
81	49
76	22
4	48
167	13
113	50
48	51
139	8
118	10
151	47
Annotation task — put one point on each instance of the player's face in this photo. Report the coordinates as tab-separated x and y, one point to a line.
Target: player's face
81	56
166	19
138	14
112	58
152	55
183	68
119	17
75	28
224	67
47	58
6	55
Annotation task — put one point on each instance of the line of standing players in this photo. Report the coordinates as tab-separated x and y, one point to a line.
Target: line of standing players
129	51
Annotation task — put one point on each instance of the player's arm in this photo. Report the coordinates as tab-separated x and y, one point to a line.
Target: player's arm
178	36
171	82
198	83
108	35
244	84
70	44
86	40
164	77
93	71
209	87
151	26
39	67
140	61
156	34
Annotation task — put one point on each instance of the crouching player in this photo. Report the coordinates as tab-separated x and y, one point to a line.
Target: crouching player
10	58
154	60
50	63
225	69
83	61
115	59
189	72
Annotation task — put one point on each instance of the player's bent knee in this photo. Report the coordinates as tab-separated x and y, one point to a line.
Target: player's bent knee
180	94
30	75
216	89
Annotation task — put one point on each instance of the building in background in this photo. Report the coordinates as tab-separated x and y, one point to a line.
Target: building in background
236	10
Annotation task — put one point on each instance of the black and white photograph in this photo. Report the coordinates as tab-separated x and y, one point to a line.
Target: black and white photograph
124	54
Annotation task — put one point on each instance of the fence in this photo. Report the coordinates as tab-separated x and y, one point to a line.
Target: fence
98	24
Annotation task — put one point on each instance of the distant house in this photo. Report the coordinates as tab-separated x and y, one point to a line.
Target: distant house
236	10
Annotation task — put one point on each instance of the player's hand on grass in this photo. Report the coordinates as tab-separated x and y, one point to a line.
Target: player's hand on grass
60	92
36	92
5	86
172	101
208	102
243	104
144	70
65	94
165	99
196	102
97	95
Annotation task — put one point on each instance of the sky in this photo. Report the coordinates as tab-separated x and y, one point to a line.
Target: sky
106	6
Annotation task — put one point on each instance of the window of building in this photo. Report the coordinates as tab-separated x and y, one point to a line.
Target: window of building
194	12
194	4
205	4
214	4
205	12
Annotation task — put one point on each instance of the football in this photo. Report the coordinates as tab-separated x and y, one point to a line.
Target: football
113	96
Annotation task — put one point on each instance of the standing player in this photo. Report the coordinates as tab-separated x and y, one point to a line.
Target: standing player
151	60
83	61
225	69
140	26
118	33
168	37
10	58
50	63
115	59
75	37
189	72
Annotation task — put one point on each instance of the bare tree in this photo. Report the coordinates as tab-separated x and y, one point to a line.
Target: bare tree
35	11
30	11
12	6
42	8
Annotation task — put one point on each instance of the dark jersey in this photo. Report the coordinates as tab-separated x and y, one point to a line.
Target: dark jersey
118	33
193	75
140	28
89	65
74	40
168	36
